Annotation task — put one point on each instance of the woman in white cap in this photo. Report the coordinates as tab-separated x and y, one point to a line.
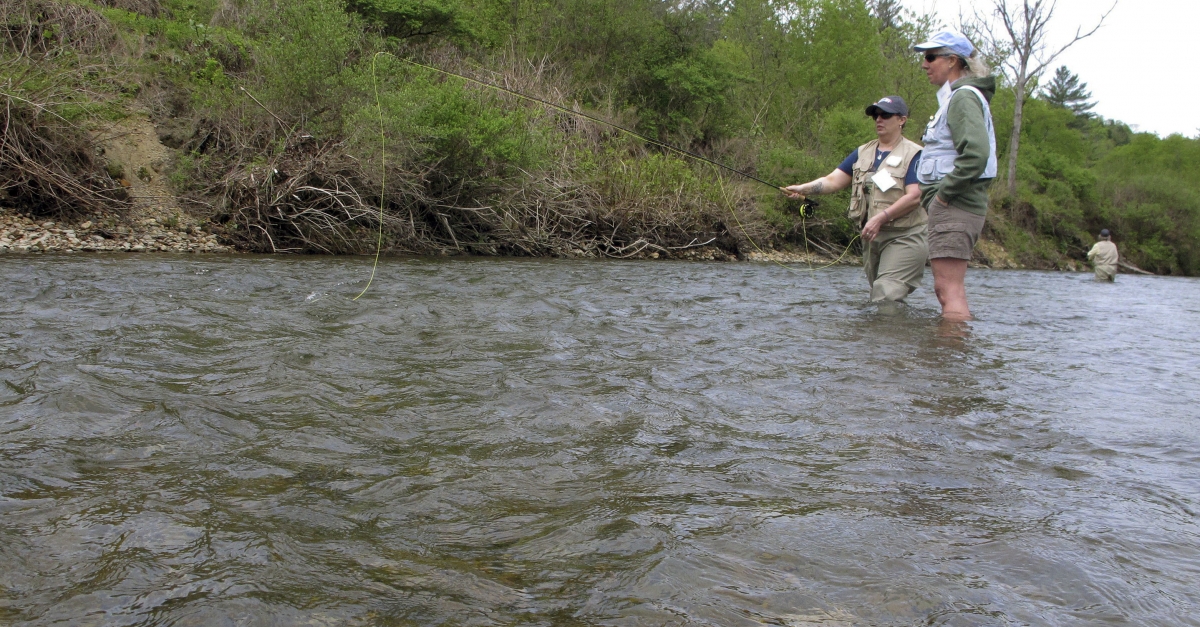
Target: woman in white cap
958	163
884	202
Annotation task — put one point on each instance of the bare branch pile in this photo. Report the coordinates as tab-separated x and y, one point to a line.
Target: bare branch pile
48	164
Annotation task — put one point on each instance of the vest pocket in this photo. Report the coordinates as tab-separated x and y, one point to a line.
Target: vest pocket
858	196
933	170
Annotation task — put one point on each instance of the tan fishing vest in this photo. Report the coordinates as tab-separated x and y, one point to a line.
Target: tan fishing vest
866	201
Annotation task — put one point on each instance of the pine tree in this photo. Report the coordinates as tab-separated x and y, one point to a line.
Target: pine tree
888	12
1066	90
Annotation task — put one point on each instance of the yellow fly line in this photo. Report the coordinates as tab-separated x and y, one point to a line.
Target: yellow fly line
803	225
562	109
383	172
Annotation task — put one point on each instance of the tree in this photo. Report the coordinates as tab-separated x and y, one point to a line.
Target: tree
1024	35
1066	91
888	12
406	19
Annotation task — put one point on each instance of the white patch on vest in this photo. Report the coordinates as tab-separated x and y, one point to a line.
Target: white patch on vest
884	181
893	160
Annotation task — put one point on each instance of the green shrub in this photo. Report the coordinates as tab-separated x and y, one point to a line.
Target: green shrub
301	57
420	19
469	137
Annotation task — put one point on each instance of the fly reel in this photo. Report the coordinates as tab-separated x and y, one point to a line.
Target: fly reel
806	208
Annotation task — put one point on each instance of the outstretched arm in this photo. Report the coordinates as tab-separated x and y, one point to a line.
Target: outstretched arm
828	184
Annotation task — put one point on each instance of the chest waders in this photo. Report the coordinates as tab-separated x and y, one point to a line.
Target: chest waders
895	261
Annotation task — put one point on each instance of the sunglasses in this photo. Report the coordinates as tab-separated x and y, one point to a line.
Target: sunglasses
930	57
883	115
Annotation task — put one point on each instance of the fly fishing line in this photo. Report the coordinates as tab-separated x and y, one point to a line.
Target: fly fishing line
382	175
805	208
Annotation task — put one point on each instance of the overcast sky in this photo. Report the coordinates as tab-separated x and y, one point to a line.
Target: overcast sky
1138	66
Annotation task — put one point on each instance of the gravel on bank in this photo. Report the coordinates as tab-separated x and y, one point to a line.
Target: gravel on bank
23	234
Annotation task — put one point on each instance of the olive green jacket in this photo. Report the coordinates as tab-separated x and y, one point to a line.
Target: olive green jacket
963	188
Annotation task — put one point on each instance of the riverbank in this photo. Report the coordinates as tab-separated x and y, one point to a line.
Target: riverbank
23	234
108	234
182	233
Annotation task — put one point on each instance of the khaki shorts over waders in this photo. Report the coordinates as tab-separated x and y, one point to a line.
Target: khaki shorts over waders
895	262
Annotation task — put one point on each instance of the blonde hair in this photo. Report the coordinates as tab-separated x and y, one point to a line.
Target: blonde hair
975	67
972	67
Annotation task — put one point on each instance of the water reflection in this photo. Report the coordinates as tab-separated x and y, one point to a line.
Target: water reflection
509	442
958	331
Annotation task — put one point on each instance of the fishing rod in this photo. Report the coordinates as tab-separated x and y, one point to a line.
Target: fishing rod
806	209
807	206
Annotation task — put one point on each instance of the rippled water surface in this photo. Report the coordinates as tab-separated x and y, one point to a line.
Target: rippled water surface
234	441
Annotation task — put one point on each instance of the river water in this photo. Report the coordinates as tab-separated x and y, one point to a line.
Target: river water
234	441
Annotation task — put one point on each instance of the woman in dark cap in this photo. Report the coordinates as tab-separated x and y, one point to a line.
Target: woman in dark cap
884	202
957	165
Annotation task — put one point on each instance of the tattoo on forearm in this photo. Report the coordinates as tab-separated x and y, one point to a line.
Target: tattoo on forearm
816	187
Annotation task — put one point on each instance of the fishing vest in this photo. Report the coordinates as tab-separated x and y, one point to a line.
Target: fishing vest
866	200
937	159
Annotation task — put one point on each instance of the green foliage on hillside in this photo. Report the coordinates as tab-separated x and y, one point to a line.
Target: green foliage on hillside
276	109
1079	174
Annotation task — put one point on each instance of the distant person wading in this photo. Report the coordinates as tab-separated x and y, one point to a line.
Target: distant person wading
884	202
958	163
1104	257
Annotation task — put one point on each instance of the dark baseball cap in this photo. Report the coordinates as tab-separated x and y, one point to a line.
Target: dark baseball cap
1104	233
889	104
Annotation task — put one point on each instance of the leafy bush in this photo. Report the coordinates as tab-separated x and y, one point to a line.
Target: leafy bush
407	19
461	135
301	57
